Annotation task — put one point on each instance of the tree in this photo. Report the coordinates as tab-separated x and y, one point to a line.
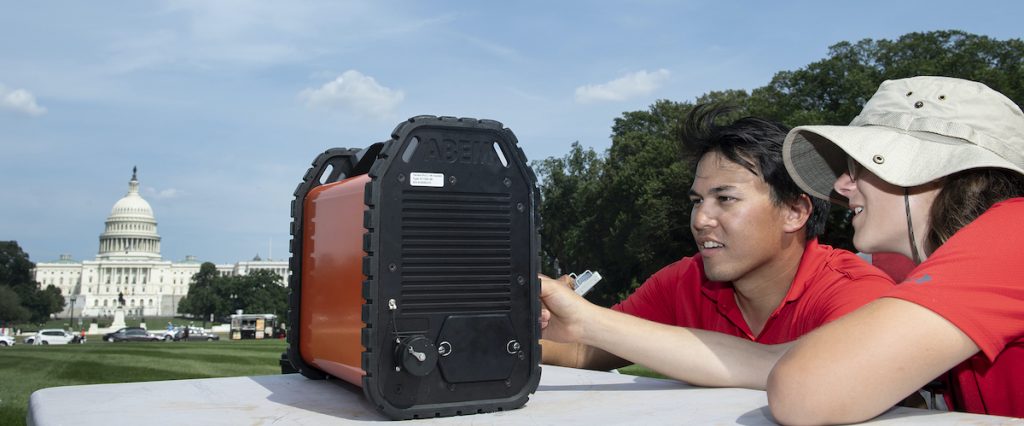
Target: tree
996	63
570	189
16	276
40	303
259	292
11	310
647	177
203	299
833	90
15	268
211	294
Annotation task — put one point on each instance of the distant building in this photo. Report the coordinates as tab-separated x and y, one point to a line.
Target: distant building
129	264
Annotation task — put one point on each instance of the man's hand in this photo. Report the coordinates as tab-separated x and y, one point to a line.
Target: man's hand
589	336
545	314
564	315
563	312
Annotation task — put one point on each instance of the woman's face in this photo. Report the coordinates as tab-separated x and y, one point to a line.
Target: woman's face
879	212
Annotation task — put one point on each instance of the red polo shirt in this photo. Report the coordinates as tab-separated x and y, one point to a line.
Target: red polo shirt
894	264
829	283
975	281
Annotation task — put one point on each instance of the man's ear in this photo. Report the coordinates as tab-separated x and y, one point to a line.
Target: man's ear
796	213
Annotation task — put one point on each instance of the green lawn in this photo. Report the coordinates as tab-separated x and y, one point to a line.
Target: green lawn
639	370
25	369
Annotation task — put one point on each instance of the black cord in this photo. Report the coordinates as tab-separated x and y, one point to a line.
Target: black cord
910	227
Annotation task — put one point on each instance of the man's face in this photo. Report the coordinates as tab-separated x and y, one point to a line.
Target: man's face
737	228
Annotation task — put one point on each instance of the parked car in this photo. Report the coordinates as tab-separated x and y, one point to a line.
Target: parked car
53	336
168	335
6	341
131	334
195	334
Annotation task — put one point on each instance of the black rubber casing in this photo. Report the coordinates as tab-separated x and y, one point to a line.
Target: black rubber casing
451	294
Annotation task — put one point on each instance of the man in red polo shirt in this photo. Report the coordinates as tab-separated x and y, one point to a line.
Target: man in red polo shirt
760	275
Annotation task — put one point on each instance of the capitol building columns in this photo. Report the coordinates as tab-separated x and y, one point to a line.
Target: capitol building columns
130	231
129	265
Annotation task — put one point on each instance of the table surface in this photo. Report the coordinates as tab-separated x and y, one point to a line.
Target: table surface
565	395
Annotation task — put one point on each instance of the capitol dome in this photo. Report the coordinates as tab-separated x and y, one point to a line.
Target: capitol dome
132	205
130	230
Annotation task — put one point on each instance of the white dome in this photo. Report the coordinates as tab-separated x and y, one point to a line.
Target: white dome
132	205
130	230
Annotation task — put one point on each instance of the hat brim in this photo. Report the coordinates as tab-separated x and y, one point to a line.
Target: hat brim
815	156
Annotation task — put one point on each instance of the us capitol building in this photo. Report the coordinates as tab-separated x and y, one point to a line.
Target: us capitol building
129	264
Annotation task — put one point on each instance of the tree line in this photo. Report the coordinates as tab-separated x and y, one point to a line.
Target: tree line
21	298
210	294
625	212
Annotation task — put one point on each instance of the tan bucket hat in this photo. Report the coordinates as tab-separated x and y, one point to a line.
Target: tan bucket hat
911	132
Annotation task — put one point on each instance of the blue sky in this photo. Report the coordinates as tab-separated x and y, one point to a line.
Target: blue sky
223	104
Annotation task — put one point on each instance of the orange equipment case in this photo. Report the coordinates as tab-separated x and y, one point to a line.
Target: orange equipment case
414	270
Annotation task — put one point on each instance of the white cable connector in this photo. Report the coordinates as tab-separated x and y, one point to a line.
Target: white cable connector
582	283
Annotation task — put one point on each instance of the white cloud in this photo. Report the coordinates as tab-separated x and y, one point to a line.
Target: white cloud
163	194
357	93
20	100
630	85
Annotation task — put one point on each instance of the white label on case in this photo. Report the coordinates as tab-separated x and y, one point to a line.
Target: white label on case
435	180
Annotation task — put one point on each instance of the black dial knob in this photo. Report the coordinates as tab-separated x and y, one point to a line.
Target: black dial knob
416	355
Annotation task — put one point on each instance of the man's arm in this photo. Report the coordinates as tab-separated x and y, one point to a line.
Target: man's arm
860	365
698	357
578	355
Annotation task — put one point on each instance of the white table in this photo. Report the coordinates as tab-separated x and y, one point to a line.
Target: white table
565	396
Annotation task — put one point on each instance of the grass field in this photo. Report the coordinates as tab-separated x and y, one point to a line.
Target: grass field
639	370
25	369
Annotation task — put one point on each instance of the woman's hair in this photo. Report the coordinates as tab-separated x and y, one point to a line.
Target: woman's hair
965	196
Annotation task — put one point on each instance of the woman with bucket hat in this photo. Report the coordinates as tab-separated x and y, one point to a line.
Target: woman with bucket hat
932	168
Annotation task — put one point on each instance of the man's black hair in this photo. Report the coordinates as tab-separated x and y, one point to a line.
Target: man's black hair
755	144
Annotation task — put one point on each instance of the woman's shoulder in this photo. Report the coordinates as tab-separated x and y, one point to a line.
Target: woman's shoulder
999	216
995	234
1010	204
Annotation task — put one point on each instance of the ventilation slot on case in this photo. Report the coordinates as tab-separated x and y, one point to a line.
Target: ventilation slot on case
456	252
